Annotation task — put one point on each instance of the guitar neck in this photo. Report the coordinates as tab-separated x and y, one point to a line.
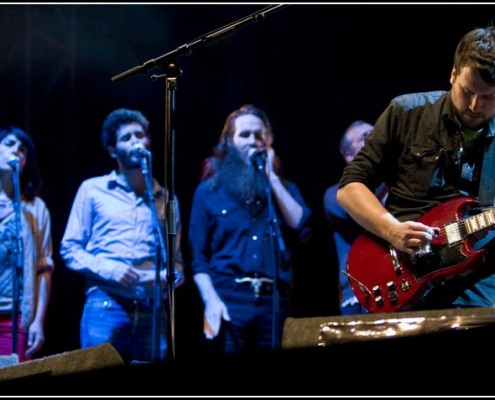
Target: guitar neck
479	222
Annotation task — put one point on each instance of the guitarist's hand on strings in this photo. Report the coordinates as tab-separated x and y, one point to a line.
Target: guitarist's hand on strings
366	209
410	236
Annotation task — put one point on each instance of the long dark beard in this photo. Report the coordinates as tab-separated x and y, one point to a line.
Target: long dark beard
241	179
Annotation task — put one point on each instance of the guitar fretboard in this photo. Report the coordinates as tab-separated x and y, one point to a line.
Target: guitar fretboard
456	231
480	221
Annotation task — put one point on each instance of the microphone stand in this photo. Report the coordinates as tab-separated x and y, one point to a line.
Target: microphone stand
160	257
274	232
19	251
172	71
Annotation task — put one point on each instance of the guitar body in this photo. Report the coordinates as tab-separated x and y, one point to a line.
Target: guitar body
386	280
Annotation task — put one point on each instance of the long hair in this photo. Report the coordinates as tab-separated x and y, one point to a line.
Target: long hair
30	178
226	138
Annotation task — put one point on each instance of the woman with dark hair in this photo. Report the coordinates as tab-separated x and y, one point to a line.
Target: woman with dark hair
17	156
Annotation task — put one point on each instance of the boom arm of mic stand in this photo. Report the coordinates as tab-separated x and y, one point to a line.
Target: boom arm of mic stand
207	39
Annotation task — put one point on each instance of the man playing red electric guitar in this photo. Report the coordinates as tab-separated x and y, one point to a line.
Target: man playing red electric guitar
433	150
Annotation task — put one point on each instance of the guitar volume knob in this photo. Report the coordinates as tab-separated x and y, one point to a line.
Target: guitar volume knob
393	296
376	290
379	300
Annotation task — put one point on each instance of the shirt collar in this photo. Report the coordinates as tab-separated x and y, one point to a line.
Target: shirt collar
114	181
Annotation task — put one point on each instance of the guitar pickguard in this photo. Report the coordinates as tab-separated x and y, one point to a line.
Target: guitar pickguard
440	258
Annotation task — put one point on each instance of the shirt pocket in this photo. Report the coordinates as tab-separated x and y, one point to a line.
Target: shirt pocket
230	220
419	164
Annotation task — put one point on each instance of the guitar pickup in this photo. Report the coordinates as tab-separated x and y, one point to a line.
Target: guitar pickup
452	233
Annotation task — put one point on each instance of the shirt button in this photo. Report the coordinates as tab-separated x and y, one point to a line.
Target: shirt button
224	211
255	237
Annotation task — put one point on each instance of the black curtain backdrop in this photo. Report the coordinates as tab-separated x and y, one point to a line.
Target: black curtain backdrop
313	68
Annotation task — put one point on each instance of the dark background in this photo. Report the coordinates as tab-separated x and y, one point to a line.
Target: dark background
312	68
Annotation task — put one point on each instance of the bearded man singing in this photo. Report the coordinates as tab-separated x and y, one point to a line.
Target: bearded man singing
245	221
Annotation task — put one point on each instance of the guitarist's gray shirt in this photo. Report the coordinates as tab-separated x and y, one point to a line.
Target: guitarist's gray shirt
416	149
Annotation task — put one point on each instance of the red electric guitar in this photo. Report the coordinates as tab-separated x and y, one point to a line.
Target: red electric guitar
387	280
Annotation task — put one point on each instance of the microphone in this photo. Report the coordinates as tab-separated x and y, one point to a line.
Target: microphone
258	157
13	162
140	150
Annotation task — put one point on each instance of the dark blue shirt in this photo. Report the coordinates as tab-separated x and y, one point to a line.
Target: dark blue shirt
228	240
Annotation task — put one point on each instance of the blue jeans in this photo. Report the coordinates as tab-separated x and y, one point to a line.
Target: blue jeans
352	309
251	320
126	324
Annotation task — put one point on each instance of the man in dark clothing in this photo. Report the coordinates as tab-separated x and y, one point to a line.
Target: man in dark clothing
430	148
244	220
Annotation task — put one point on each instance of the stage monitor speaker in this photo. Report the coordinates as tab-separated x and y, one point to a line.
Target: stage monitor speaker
97	357
323	331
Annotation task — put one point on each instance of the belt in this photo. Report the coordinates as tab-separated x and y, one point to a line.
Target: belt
258	285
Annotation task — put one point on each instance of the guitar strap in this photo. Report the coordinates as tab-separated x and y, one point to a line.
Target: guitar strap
486	196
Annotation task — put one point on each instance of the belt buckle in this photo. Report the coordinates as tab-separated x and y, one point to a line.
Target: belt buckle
255	283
